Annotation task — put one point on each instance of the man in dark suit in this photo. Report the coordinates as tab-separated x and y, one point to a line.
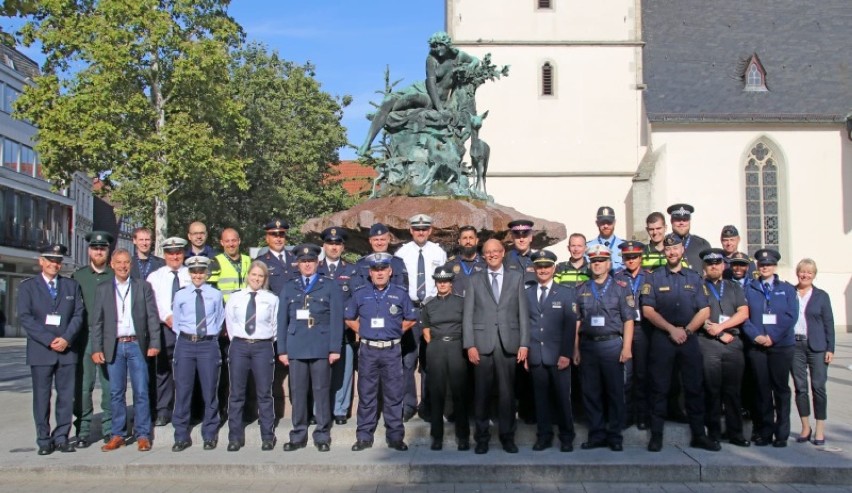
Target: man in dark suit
126	330
50	309
554	327
496	337
144	261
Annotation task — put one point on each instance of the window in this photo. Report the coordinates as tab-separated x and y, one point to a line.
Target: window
755	75
763	194
10	154
9	97
27	160
545	4
547	79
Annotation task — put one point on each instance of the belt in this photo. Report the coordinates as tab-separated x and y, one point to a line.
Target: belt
252	341
380	344
800	338
607	337
127	339
448	338
194	338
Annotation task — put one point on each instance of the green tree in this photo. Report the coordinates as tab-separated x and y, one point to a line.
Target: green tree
293	136
137	93
14	8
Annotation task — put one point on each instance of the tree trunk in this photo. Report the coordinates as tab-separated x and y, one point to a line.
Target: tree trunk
161	223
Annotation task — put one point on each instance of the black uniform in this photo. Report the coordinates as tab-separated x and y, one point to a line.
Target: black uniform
636	381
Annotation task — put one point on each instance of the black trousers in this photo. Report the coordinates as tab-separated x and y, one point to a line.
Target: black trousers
723	376
44	378
603	383
552	391
161	381
636	380
665	355
448	367
313	374
255	359
497	368
772	367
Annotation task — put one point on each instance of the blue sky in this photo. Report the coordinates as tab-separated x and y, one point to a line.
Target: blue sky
350	42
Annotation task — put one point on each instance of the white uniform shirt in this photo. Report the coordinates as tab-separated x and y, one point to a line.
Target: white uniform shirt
801	327
266	318
123	304
161	281
433	257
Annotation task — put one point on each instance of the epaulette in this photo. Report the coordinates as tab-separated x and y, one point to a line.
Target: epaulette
362	286
621	283
428	299
459	295
451	258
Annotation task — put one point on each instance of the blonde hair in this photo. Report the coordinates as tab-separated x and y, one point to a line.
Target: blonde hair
263	268
806	262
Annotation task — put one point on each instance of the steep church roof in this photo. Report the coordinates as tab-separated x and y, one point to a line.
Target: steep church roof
697	51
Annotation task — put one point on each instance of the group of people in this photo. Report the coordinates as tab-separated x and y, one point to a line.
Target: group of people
494	334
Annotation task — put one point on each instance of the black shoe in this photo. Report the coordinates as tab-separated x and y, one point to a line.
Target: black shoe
361	445
481	448
529	420
542	445
340	420
291	446
451	418
594	444
234	446
740	441
464	445
66	447
642	425
655	444
181	446
424	414
312	421
267	445
398	446
407	415
46	450
82	442
760	441
678	416
437	444
566	447
616	447
706	443
510	447
776	444
210	444
322	447
162	421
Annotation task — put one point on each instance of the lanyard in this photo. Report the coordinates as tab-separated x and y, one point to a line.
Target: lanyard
636	283
603	291
766	295
467	270
310	284
717	294
123	298
686	240
238	266
380	299
144	267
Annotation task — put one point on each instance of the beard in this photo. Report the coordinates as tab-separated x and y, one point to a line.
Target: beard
468	251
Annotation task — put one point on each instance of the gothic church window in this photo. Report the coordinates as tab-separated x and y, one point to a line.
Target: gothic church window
755	75
547	79
763	198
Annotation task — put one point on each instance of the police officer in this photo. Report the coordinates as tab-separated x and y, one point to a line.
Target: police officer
467	259
654	255
605	313
144	261
636	370
553	328
251	317
730	239
50	310
380	312
379	242
199	312
335	267
576	269
310	328
770	330
278	260
722	350
740	268
681	217
606	235
674	300
89	277
518	257
441	319
166	282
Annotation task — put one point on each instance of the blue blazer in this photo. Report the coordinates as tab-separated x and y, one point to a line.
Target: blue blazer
783	302
325	301
35	304
553	326
820	320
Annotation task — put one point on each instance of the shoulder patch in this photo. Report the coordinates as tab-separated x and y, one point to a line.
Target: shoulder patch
621	283
630	301
646	288
706	291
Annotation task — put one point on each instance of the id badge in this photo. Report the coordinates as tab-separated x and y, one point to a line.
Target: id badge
770	319
53	319
723	318
303	314
638	315
598	321
377	323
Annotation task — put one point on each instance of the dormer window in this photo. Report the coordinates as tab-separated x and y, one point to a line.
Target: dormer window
544	4
755	75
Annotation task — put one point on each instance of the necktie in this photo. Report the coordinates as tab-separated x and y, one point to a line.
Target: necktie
542	297
421	277
251	314
281	257
200	315
767	287
175	285
52	288
307	281
332	268
495	286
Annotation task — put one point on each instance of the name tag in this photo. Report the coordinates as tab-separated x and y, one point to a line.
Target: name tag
598	321
377	323
770	319
303	314
556	304
723	318
53	319
663	289
638	315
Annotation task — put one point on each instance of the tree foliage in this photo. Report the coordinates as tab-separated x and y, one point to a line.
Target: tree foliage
294	132
137	93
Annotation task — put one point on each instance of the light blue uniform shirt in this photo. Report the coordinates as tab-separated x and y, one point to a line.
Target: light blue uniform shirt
611	243
183	310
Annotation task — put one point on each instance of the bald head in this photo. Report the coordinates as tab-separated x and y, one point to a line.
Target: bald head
493	251
230	241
